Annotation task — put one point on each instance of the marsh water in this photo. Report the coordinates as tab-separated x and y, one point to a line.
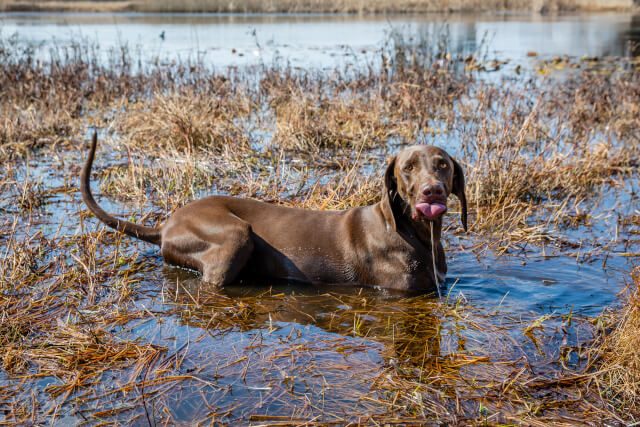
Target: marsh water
281	349
264	349
324	41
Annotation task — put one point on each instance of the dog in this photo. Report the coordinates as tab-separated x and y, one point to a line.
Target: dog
393	244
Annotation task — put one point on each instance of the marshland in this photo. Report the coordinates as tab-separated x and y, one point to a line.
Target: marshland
539	321
313	6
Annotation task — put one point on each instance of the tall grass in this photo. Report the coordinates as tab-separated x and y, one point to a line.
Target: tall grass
314	6
618	376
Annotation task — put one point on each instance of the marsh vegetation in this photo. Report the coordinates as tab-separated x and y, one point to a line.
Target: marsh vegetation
313	6
94	329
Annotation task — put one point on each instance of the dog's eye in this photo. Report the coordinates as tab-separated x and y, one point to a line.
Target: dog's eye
443	165
408	167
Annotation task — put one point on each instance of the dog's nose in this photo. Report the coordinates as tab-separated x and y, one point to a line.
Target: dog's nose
433	190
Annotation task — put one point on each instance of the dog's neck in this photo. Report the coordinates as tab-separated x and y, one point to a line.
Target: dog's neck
403	223
426	231
422	230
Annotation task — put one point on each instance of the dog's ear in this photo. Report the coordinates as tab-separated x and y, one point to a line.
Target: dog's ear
389	192
458	190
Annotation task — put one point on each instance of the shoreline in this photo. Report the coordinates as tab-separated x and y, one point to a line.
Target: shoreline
332	7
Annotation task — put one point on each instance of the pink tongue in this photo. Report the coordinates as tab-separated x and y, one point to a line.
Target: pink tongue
431	210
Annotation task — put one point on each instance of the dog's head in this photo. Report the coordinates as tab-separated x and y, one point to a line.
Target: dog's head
417	183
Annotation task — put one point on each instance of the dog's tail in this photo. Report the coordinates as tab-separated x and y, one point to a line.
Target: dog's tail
148	234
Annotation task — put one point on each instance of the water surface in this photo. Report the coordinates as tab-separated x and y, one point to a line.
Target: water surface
324	41
323	353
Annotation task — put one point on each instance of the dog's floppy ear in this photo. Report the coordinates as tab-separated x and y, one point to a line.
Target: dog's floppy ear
389	192
458	190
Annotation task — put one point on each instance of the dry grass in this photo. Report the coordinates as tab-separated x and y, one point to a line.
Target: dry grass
516	160
179	179
67	6
314	6
188	121
333	6
618	377
119	339
304	123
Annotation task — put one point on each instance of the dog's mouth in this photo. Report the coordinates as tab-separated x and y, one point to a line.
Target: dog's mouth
431	209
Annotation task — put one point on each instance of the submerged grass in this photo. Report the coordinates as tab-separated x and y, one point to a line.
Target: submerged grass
94	324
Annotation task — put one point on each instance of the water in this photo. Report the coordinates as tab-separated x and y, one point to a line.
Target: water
268	347
324	41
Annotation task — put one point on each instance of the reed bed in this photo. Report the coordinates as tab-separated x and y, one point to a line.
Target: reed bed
314	6
95	329
617	378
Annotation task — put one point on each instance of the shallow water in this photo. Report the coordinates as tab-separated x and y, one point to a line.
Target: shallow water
324	41
282	349
534	279
268	348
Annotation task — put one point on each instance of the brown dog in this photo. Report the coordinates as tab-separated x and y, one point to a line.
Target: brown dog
388	244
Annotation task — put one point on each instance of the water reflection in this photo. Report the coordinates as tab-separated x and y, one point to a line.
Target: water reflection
300	351
407	327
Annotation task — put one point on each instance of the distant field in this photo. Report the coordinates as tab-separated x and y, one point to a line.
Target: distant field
328	6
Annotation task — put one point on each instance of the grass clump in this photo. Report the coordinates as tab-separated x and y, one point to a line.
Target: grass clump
618	377
168	181
187	121
310	124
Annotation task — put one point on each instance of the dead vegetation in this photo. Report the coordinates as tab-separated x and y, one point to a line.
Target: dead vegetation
188	120
314	6
618	378
105	333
